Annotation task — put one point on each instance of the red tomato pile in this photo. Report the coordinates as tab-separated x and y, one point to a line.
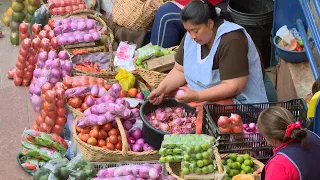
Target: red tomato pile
61	7
106	136
23	29
77	81
232	124
52	117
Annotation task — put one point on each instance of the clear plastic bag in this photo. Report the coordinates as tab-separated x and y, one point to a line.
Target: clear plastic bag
150	51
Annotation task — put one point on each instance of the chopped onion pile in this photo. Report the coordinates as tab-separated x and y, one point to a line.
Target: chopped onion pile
172	120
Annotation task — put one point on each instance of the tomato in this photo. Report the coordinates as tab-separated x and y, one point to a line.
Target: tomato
84	137
119	146
60	103
58	85
100	82
113	139
94	133
113	131
119	139
36	43
133	92
75	102
79	1
24	36
47	27
17	80
23	28
224	121
107	86
61	121
61	10
22	59
42	34
51	23
43	114
30	69
237	129
236	119
44	128
45	44
26	44
50	96
107	127
51	114
48	106
92	141
47	86
75	7
50	35
33	52
85	80
76	83
54	11
67	81
74	2
19	73
23	52
61	112
92	81
68	9
35	127
28	75
110	146
86	130
123	94
57	129
224	130
20	65
25	82
39	120
84	106
50	122
101	143
36	28
102	134
82	6
32	60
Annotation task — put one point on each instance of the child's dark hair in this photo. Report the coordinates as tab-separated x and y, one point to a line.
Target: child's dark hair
273	123
200	11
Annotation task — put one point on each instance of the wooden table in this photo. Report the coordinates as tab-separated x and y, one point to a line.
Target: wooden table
294	80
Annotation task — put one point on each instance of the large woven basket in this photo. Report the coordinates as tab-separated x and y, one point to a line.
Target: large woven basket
135	14
92	47
174	169
153	78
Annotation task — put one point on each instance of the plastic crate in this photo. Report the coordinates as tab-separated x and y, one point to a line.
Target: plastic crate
253	143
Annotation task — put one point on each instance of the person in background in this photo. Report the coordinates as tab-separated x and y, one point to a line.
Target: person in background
167	29
296	152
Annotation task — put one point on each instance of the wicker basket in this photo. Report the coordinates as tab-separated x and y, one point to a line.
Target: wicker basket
175	168
91	47
153	78
135	14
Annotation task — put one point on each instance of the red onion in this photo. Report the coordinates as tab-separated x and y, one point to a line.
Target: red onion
63	55
66	21
131	140
120	101
62	40
90	101
81	26
57	30
42	56
52	54
136	133
56	73
37	72
137	148
71	40
127	125
162	116
56	63
87	38
114	124
31	88
48	63
146	147
92	31
140	141
155	123
57	23
74	26
140	96
66	28
95	36
164	127
252	126
180	92
79	38
53	80
90	23
65	73
67	66
127	133
127	104
40	64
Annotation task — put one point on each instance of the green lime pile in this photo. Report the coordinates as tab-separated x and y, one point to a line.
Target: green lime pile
150	51
237	164
194	151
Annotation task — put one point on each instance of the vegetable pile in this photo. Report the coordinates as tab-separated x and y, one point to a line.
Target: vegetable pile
77	169
17	16
230	125
61	7
194	151
53	115
71	31
172	120
88	66
135	139
131	172
106	136
236	164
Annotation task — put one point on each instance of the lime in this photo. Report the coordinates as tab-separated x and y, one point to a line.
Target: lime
198	171
240	159
169	158
242	172
211	168
205	146
162	159
141	66
177	158
206	155
185	170
198	156
235	166
210	151
252	170
165	52
247	169
162	152
232	173
236	172
229	165
190	150
200	163
239	165
227	169
229	161
224	162
139	61
193	164
243	166
186	157
233	157
246	157
211	139
169	151
197	148
247	162
251	163
205	162
205	170
177	151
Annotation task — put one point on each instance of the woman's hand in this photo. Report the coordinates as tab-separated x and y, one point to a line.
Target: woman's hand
156	96
188	96
257	174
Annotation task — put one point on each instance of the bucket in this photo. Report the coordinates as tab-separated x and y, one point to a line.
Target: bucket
256	16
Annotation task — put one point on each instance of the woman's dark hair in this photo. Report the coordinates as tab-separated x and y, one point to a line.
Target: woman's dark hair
273	122
200	11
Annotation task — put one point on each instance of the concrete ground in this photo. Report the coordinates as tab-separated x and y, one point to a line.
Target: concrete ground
16	113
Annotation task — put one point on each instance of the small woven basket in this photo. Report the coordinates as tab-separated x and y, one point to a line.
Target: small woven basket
258	166
174	169
135	14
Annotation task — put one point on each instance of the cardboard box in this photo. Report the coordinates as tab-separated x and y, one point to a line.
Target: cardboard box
161	64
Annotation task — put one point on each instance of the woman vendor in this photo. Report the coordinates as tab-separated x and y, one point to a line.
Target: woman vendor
217	60
167	29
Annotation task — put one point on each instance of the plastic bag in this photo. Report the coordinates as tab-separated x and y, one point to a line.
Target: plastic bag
52	170
48	140
80	168
126	79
